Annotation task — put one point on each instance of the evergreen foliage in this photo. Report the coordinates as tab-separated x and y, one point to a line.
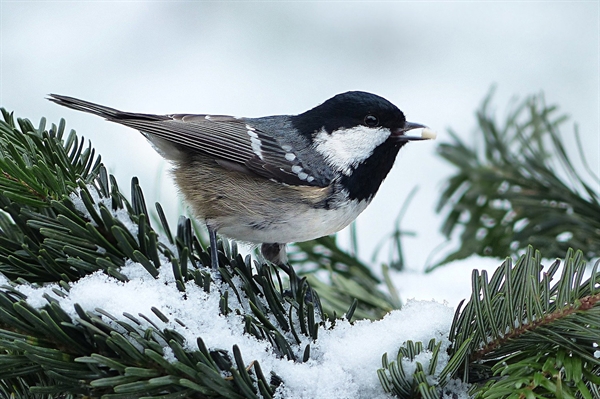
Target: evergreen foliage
519	187
539	333
525	332
523	322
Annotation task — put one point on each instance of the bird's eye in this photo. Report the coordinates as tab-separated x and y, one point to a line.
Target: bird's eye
371	120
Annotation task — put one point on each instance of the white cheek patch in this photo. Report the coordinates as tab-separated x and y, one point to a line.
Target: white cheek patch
345	149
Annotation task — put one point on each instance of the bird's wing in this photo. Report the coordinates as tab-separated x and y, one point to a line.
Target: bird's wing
233	142
221	137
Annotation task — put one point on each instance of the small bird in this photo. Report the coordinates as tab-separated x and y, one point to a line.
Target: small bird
276	179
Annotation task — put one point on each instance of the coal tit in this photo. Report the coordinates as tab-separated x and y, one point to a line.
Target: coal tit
276	179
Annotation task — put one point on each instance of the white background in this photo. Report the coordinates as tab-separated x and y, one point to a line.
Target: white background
435	60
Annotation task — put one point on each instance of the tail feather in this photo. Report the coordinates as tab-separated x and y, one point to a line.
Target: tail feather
108	113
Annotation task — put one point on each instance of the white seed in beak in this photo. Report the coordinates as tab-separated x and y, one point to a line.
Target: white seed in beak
428	134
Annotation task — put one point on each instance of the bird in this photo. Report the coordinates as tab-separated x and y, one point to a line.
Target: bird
276	179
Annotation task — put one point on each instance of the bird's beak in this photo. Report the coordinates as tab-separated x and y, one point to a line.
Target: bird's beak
426	133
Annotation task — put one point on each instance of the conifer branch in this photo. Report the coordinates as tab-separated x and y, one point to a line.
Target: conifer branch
519	187
523	316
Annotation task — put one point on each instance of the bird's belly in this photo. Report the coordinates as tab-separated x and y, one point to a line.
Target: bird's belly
298	224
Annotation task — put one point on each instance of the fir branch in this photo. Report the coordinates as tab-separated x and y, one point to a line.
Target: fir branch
521	335
521	317
519	188
38	165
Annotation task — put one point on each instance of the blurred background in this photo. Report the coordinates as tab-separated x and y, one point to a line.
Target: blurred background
435	60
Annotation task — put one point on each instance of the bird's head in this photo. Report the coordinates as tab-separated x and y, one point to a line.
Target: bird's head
352	127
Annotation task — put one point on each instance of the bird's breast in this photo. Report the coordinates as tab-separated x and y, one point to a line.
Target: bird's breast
251	208
284	223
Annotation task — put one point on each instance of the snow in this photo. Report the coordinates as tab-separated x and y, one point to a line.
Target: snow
451	283
344	359
456	389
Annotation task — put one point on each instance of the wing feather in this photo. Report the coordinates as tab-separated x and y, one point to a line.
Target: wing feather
231	141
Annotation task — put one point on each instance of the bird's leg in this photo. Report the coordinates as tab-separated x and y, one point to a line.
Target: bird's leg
275	253
214	255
